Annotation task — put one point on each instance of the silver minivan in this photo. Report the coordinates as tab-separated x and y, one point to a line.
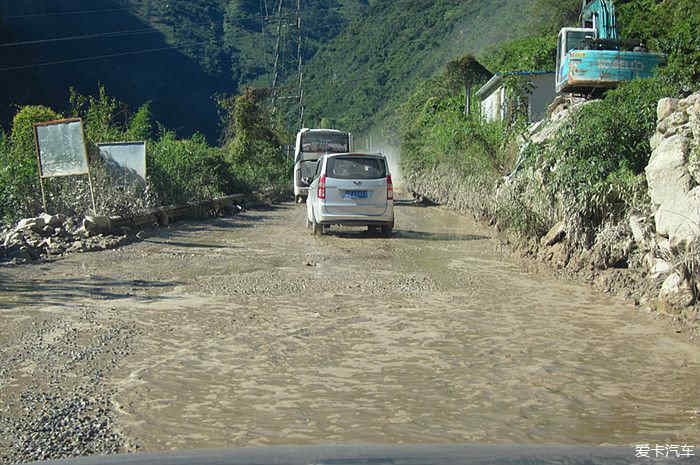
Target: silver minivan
352	189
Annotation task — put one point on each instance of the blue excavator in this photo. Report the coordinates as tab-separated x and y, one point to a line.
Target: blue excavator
593	58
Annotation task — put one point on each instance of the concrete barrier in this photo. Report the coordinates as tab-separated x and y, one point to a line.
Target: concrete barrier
162	216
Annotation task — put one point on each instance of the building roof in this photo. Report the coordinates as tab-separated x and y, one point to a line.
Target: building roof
493	83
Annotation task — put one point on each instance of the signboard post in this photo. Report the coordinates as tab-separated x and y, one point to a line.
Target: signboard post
62	151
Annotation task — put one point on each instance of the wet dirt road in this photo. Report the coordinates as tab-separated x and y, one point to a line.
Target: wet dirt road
248	331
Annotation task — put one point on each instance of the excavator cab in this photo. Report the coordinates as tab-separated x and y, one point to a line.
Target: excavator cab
592	58
570	38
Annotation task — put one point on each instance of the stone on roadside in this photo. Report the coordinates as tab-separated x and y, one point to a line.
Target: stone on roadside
666	174
34	224
660	268
679	220
676	293
637	225
555	234
97	224
694	163
665	107
52	220
689	101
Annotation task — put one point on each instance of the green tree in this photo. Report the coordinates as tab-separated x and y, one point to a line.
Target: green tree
252	147
141	124
99	114
467	71
668	27
19	173
536	53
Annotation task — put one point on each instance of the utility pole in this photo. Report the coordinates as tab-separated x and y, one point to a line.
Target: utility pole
275	70
279	63
299	73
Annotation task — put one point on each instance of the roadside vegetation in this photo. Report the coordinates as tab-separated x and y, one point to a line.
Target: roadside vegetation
592	173
179	170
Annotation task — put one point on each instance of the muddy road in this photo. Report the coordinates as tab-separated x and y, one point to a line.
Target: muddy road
248	331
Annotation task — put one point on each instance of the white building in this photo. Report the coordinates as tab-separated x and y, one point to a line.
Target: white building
493	99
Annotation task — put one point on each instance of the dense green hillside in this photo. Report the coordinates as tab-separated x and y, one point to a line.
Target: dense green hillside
221	45
366	71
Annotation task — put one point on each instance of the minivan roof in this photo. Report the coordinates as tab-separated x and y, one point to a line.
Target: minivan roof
354	154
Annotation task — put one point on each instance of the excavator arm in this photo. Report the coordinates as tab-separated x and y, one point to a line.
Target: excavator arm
600	15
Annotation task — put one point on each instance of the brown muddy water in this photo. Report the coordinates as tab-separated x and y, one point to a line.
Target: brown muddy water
252	332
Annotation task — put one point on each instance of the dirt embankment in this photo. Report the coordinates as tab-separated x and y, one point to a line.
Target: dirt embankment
651	257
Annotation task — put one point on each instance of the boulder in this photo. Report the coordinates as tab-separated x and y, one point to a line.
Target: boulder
666	174
53	220
97	224
655	140
694	121
665	107
34	224
693	165
638	227
679	220
676	293
664	246
679	118
689	101
555	234
660	268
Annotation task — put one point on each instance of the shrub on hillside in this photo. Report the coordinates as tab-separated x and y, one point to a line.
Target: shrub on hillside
596	161
99	114
252	147
179	170
19	173
187	170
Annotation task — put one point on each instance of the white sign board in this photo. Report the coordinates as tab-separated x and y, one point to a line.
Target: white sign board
61	146
130	156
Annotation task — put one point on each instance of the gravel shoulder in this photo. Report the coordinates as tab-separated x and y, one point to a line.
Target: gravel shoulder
248	331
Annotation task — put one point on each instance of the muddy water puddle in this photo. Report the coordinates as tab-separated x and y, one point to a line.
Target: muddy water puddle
265	335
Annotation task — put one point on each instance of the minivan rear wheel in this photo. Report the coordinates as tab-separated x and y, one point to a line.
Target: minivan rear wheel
316	228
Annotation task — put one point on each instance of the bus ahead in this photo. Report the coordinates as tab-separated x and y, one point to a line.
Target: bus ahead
310	145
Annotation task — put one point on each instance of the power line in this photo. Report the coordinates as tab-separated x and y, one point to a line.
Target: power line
66	13
101	57
89	36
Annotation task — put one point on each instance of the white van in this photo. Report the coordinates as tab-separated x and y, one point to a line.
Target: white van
352	189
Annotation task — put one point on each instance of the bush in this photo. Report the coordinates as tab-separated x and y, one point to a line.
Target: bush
179	171
19	173
188	170
99	115
435	131
596	161
252	147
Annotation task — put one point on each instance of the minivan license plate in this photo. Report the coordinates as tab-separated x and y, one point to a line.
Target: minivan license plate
355	194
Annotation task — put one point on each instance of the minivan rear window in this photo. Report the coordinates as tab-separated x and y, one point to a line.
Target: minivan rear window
355	168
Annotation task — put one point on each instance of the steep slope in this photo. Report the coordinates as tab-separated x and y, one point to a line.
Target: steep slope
360	75
221	45
177	86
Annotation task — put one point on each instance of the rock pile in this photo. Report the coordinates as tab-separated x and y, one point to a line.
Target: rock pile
673	177
52	235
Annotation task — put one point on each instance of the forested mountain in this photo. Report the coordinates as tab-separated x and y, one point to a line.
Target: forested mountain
366	71
175	53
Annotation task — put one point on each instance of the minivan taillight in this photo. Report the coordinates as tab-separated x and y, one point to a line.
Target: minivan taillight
389	188
321	193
